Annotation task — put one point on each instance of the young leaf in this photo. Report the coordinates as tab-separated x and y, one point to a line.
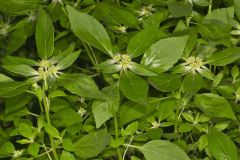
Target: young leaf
143	39
68	60
89	30
166	82
219	17
237	8
201	2
67	156
133	87
65	117
214	105
17	39
130	130
33	149
180	9
92	144
165	150
161	56
13	88
105	109
123	16
141	70
221	146
192	83
11	60
52	131
44	35
21	69
19	7
224	57
25	130
80	84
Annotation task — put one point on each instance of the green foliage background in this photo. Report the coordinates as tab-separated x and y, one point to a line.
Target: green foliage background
120	79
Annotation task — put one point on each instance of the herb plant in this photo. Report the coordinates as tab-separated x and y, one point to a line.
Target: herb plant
120	79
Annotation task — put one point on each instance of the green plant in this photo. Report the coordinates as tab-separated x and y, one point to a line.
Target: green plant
139	79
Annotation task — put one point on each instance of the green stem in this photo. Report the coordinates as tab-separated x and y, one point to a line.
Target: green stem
210	7
116	136
46	104
89	54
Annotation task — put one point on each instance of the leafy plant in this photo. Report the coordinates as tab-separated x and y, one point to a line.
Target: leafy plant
140	79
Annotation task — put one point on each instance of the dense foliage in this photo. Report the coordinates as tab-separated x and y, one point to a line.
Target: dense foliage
120	79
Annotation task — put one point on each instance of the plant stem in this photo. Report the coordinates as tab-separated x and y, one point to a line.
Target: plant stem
46	104
210	7
116	136
89	53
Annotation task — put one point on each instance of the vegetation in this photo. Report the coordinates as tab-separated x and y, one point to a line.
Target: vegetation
120	79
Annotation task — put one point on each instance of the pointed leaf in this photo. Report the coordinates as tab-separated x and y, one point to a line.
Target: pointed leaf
165	150
92	144
133	87
214	105
161	56
68	60
224	57
44	35
21	69
221	146
80	84
143	39
105	109
89	30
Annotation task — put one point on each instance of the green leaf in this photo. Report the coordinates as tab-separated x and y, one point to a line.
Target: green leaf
21	69
67	156
192	83
89	30
68	60
66	117
143	39
180	9
214	105
221	146
155	149
25	130
123	16
44	35
161	56
4	78
166	82
67	144
130	130
201	2
16	40
11	60
131	111
6	149
80	84
19	7
11	89
56	93
166	108
105	109
133	87
109	66
219	17
92	144
33	149
237	8
224	57
52	131
141	70
155	19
